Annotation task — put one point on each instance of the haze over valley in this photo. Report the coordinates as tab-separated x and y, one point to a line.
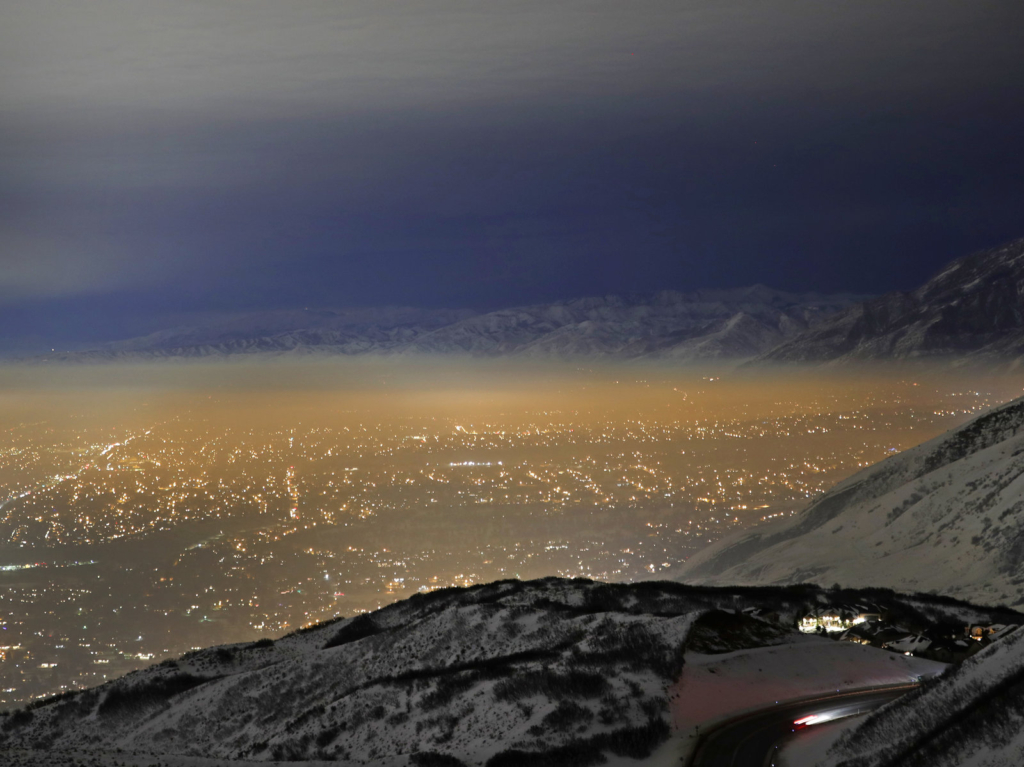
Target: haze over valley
199	504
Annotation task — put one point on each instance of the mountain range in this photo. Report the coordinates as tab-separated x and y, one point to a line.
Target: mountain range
704	325
972	310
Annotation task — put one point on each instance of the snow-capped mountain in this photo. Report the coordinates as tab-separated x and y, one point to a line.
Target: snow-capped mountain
724	324
972	715
705	325
946	516
974	307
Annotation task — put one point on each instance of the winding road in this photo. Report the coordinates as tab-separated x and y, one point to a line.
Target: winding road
751	740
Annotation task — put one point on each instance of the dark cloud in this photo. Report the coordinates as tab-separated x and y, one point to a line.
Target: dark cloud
167	157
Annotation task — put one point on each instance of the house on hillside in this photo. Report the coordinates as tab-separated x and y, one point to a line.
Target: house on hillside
911	644
990	633
862	633
828	619
1000	631
837	619
948	650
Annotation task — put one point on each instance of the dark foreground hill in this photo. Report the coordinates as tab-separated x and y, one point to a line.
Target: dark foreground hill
550	672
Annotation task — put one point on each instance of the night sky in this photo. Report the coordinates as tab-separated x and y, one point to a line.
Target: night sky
166	160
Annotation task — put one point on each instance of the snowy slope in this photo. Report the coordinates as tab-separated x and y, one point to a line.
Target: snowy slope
946	516
708	324
973	716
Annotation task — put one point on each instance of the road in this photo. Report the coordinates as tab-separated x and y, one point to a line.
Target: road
751	741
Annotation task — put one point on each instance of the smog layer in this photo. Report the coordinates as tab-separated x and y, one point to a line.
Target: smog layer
150	510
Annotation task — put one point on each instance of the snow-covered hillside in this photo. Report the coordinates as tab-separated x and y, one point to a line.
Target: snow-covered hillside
705	325
946	517
973	716
552	672
470	672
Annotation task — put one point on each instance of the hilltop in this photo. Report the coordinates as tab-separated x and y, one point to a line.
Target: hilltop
553	672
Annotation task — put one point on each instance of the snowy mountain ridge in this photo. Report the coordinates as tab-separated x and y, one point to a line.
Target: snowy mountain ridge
703	325
973	308
946	516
